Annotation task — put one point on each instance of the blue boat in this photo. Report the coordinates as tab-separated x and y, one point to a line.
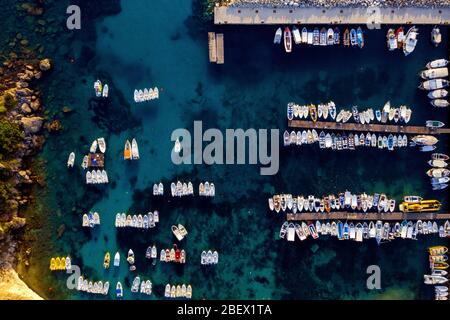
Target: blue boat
316	37
390	142
340	230
290	111
376	198
379	231
342	200
378	115
353	37
355	113
360	37
346	231
337	36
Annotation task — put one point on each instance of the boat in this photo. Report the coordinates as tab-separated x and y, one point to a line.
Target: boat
85	162
88	177
105	91
436	37
116	259
438	163
177	233
134	150
391	40
119	290
337	36
440	103
287	40
135	285
360	37
400	35
434	124
106	260
304	35
353	37
439	63
424	140
440	156
430	74
410	40
330	37
438	94
438	173
278	35
130	257
98	88
127	151
323	37
346	38
290	232
427	148
296	35
93	147
101	145
316	37
310	39
313	112
71	160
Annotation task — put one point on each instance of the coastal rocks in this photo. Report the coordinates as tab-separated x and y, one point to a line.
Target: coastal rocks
25	108
54	126
32	9
45	64
32	124
13	288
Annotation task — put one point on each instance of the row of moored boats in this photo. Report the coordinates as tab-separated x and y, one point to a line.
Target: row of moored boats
146	221
146	94
97	177
179	291
439	174
60	264
182	189
91	219
101	90
439	275
94	287
131	150
436	79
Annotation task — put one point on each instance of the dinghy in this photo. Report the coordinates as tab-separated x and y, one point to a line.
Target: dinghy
134	150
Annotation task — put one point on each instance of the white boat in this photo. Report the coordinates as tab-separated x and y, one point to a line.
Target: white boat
287	40
391	40
136	96
430	74
296	35
436	37
304	35
278	36
434	84
291	232
440	103
440	156
410	40
119	290
439	63
116	259
434	124
85	162
438	94
104	176
98	88
425	140
88	177
71	160
177	232
105	91
134	149
101	145
93	148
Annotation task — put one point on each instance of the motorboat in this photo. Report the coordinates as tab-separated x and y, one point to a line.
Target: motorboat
360	37
278	36
304	35
71	160
316	37
98	87
437	73
439	63
391	40
346	38
424	140
296	35
353	37
337	36
127	151
436	37
134	150
93	148
438	94
323	37
287	40
116	259
434	124
101	145
410	40
440	103
440	156
400	35
330	37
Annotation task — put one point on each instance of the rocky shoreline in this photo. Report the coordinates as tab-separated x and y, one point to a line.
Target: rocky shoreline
21	136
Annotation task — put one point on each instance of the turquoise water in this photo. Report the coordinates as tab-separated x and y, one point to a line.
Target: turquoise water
161	46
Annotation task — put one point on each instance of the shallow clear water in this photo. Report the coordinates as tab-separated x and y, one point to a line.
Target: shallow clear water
158	46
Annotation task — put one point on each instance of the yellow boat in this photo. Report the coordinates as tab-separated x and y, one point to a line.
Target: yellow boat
440	265
437	250
57	263
313	112
127	151
106	261
62	263
52	264
421	206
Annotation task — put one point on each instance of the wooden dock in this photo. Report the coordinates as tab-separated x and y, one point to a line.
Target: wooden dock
212	47
372	216
384	128
372	17
216	48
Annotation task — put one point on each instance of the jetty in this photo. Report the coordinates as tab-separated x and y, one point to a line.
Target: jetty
370	16
216	48
381	128
372	216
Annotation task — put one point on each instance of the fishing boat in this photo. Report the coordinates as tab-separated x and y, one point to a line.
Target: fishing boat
134	150
296	35
391	40
434	124
101	145
323	37
313	112
438	173
287	40
346	38
106	260
127	151
278	36
439	63
430	74
424	140
439	103
71	160
436	37
400	35
98	88
353	37
119	290
105	91
116	259
316	37
438	94
330	37
304	35
410	40
360	37
440	156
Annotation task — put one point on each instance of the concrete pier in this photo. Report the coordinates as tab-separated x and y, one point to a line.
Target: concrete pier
365	16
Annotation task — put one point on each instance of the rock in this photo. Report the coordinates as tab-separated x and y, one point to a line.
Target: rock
32	124
21	84
17	223
32	9
38	75
54	126
67	109
61	230
35	105
25	108
45	64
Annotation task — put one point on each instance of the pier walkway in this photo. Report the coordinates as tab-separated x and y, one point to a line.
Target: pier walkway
367	16
373	216
386	128
216	48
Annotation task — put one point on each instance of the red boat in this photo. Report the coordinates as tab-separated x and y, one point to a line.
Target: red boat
287	40
177	255
400	35
167	255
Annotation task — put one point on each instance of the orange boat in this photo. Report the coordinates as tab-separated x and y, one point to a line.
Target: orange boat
127	151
